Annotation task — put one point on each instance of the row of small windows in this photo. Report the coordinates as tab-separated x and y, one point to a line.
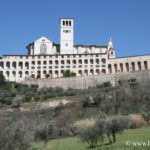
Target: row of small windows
67	23
55	56
57	73
26	64
14	73
69	61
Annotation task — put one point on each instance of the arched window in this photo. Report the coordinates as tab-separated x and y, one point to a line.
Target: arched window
66	23
103	71
115	67
86	72
69	23
121	67
139	65
14	65
110	68
63	23
43	49
133	66
145	65
127	66
97	71
103	60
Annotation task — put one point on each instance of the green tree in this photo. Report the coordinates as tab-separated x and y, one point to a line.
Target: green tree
116	125
44	132
2	80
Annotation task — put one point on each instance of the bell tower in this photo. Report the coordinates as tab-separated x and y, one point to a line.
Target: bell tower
66	36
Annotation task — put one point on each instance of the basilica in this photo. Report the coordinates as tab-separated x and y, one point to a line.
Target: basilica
46	59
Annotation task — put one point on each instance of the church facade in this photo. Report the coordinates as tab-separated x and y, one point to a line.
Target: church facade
45	59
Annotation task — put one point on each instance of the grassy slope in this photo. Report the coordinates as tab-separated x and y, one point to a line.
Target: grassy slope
142	134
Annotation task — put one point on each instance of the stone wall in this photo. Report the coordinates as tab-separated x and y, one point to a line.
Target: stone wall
85	82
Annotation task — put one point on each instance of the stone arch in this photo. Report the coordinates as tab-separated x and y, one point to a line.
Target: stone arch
62	62
103	60
133	66
97	61
20	64
56	62
14	65
80	72
127	67
62	72
56	73
103	71
145	65
20	74
50	72
27	65
91	61
63	23
92	71
121	67
139	65
97	71
115	67
67	23
74	61
27	73
85	61
14	73
110	68
86	72
8	64
7	74
80	61
38	74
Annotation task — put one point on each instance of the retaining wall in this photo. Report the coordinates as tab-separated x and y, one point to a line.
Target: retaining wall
88	81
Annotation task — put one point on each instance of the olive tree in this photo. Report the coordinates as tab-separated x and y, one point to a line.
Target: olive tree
92	134
115	125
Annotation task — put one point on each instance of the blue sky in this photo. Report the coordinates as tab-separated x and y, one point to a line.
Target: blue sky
126	21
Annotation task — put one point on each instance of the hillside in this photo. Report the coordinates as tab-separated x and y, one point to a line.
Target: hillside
30	110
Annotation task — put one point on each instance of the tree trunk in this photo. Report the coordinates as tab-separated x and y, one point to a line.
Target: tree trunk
114	137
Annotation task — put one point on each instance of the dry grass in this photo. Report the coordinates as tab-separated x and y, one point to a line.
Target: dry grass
88	122
137	121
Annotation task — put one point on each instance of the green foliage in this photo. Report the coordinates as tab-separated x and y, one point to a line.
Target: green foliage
92	101
44	132
91	135
104	85
2	80
67	73
73	143
47	75
132	82
116	125
15	137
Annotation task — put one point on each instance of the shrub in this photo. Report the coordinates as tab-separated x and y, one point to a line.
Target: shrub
2	80
44	132
92	134
146	116
15	137
47	75
116	125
